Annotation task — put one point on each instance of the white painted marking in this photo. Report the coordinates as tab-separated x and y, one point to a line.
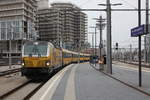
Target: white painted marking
55	82
47	91
127	68
70	88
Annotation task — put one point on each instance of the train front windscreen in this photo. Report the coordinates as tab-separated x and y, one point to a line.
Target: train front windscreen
35	49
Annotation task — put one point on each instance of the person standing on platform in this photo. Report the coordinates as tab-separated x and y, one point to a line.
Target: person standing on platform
102	62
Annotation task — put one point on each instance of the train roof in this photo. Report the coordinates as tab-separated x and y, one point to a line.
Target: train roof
68	51
49	43
72	52
39	42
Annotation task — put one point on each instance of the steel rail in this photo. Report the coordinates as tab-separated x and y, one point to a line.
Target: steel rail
10	72
143	65
34	91
5	95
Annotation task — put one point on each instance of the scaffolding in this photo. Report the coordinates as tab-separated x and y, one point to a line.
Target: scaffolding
62	23
17	22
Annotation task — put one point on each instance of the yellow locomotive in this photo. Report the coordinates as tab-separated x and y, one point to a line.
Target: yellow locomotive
43	58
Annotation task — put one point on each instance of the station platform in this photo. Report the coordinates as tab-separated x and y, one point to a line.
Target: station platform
83	82
129	73
6	68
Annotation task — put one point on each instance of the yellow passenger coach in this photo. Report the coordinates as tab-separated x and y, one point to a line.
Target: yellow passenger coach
42	58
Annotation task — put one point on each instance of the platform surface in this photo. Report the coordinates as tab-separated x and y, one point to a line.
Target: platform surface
82	82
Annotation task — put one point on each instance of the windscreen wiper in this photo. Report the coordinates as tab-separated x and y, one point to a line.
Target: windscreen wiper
30	55
37	50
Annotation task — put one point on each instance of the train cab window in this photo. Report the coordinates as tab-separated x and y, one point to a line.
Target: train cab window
32	49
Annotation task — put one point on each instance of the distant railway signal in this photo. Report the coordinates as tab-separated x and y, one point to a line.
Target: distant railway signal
116	46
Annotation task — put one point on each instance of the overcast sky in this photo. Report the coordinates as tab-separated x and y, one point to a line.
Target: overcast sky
122	22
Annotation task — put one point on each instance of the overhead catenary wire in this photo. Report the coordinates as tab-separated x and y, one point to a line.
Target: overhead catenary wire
129	4
84	2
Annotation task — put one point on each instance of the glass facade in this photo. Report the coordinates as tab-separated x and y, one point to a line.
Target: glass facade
16	30
10	29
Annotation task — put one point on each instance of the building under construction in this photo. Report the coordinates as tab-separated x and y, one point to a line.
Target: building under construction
63	24
17	22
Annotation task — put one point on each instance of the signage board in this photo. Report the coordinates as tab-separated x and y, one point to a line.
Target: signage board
137	31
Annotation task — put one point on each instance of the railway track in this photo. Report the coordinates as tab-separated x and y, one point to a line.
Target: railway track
22	87
33	92
26	90
10	72
143	65
14	90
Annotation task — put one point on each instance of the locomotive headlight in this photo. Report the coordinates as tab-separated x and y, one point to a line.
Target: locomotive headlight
47	63
23	64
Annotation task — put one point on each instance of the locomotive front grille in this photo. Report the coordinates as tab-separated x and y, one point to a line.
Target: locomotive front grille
34	63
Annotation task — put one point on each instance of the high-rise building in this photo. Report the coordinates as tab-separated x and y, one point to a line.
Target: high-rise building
17	22
63	23
43	4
